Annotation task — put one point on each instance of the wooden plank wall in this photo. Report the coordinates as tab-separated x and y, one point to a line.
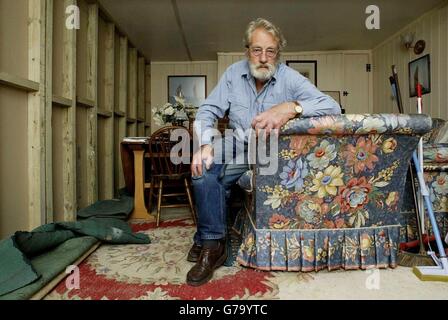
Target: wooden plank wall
71	96
15	89
433	28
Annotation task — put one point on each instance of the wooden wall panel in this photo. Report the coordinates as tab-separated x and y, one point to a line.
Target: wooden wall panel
13	164
36	114
49	213
119	134
105	159
68	117
58	146
148	112
123	75
81	157
14	37
58	46
132	84
121	101
106	102
117	66
102	43
81	52
141	90
431	27
53	79
92	95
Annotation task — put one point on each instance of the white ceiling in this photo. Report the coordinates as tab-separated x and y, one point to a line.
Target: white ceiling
183	30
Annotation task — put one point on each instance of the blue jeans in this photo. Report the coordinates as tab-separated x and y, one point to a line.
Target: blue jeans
211	192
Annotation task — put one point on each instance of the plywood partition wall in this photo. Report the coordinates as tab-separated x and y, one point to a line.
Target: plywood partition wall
36	114
148	111
92	95
106	100
83	103
121	100
64	116
22	114
132	85
141	112
48	160
67	98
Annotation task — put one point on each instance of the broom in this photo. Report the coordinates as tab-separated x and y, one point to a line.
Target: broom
405	258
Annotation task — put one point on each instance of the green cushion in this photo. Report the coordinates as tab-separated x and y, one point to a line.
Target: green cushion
49	265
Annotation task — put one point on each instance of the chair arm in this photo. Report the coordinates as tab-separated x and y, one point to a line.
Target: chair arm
435	153
358	124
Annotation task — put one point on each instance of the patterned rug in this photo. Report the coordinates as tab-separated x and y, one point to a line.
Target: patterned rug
158	271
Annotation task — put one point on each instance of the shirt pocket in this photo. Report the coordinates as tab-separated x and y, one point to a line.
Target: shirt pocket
238	112
272	99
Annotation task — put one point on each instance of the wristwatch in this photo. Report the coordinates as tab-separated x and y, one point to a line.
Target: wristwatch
298	108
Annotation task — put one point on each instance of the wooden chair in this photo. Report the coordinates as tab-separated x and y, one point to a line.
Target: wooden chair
165	173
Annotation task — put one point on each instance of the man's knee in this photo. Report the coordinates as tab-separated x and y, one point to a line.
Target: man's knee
208	176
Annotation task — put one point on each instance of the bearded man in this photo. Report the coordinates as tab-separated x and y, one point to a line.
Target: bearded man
261	93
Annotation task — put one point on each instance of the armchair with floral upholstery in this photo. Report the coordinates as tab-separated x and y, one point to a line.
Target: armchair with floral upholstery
336	197
435	167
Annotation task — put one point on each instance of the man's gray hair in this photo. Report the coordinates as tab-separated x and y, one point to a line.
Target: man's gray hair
269	27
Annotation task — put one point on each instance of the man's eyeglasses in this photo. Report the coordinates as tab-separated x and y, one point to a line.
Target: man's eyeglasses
257	51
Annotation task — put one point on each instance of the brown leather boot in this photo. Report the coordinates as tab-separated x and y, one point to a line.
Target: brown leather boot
209	260
194	253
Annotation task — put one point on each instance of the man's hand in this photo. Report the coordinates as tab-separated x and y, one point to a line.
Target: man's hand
274	118
204	154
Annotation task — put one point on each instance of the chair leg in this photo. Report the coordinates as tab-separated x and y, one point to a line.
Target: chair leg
150	194
159	201
190	201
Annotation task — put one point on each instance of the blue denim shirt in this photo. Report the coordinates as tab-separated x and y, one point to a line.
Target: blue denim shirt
236	92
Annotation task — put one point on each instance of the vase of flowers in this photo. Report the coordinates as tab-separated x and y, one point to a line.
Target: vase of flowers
174	113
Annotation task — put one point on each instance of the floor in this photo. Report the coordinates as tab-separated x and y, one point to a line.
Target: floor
399	283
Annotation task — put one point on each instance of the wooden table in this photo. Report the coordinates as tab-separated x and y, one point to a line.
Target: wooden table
132	158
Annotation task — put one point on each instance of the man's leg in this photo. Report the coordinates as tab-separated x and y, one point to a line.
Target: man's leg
207	191
210	191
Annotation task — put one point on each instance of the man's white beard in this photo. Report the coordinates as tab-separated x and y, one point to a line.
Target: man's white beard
261	73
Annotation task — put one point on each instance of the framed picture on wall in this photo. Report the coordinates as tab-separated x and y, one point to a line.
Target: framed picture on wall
307	68
192	88
420	72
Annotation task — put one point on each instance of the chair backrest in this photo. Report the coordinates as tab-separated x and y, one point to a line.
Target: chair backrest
344	171
161	144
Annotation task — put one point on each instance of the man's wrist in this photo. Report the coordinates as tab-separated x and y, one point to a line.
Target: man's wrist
297	108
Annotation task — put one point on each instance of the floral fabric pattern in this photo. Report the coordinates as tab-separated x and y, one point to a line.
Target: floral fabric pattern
335	200
435	165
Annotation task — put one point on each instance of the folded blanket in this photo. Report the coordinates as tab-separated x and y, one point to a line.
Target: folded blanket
103	220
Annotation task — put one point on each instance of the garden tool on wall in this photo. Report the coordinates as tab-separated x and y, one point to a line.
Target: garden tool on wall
405	258
440	271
